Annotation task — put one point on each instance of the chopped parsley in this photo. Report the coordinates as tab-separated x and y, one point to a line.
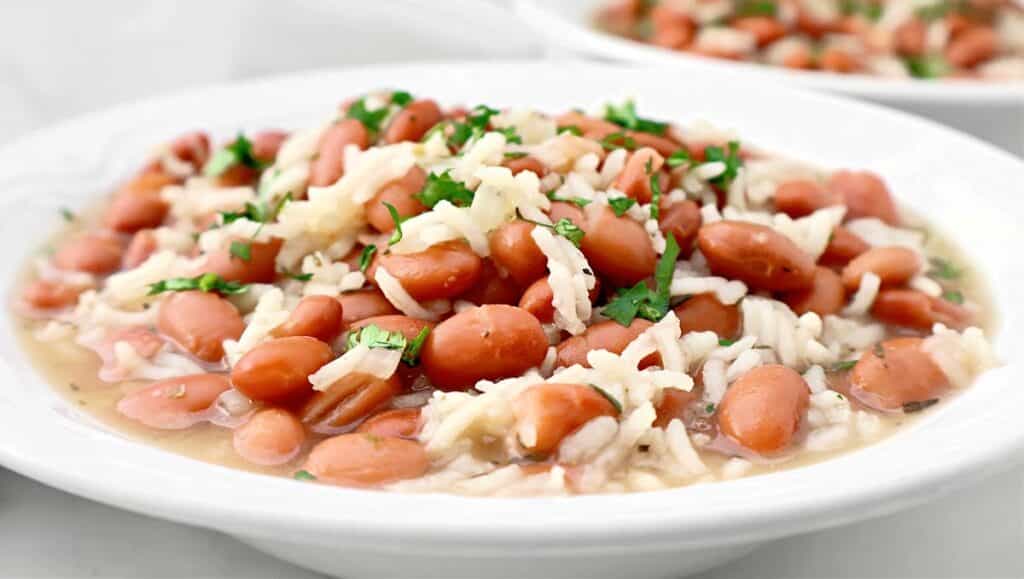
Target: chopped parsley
620	205
370	119
619	140
563	227
577	201
571	129
756	8
844	365
242	250
678	158
927	66
299	276
919	405
303	475
396	235
943	269
443	188
955	296
934	11
67	214
373	336
611	399
238	152
732	161
725	342
655	196
710	408
366	257
640	300
259	212
207	282
476	124
401	98
511	136
625	116
516	155
870	10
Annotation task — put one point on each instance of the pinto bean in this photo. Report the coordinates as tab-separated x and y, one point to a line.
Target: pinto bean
412	122
315	316
538	299
398	422
49	295
673	405
173	404
617	247
865	195
755	254
142	245
799	57
608	335
441	271
493	287
278	370
562	210
972	47
801	197
91	253
902	374
199	322
513	249
635	178
547	413
671	28
405	325
271	437
764	28
349	400
910	38
259	268
836	59
329	164
401	194
894	265
527	163
704	313
483	343
131	211
762	410
843	246
682	219
362	304
366	459
193	148
913	309
266	144
826	295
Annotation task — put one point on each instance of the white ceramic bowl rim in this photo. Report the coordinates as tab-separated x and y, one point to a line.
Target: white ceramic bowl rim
570	28
49	440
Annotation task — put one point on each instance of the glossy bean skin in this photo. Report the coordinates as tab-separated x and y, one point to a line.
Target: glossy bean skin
673	405
762	409
835	59
672	29
756	255
682	220
635	178
172	404
445	270
271	437
362	304
972	47
131	211
401	194
514	250
397	422
801	198
91	253
266	144
359	460
413	122
349	400
910	38
764	28
617	247
842	247
547	413
913	309
607	335
483	343
329	164
278	370
826	296
50	295
142	245
704	313
904	374
259	268
893	265
538	299
493	287
405	325
193	148
527	163
865	195
198	322
562	210
315	316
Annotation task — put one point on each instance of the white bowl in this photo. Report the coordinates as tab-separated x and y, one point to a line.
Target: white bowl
967	187
993	111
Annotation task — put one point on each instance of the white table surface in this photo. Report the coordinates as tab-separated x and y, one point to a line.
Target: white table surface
975	532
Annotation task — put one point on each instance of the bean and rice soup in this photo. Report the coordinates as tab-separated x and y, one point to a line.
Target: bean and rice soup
501	302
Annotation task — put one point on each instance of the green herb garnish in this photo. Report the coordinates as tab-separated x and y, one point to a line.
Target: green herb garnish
571	129
411	355
919	405
563	227
725	342
475	125
516	155
710	408
401	98
259	212
655	196
207	282
620	205
370	119
678	158
927	66
67	214
943	269
625	116
396	235
618	140
303	475
366	257
373	336
611	399
238	152
955	296
242	250
844	365
732	161
756	8
443	188
577	201
640	300
299	276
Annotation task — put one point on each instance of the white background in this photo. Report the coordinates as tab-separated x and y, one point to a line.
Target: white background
60	59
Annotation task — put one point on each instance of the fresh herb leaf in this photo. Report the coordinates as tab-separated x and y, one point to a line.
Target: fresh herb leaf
943	269
663	274
238	152
568	230
516	154
919	405
618	140
411	355
443	188
611	399
678	158
396	235
756	8
655	196
257	212
732	161
242	250
303	475
927	66
67	214
844	365
511	136
299	276
476	124
955	296
401	98
625	116
370	119
207	282
626	305
640	300
577	201
366	257
571	129
934	11
725	342
620	205
373	336
710	408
